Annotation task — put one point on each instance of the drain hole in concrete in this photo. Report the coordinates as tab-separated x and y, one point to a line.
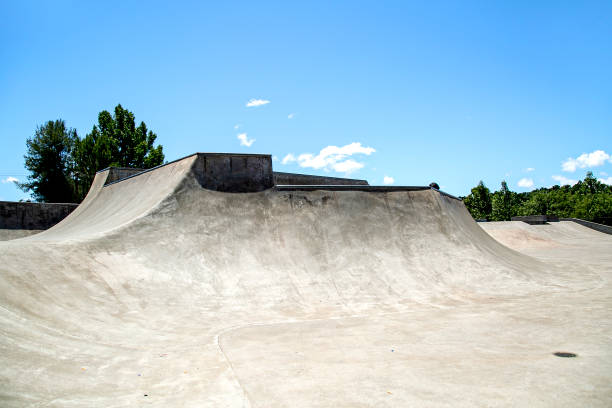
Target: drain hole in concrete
564	354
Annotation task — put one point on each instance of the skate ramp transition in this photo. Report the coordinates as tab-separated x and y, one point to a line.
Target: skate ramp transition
201	283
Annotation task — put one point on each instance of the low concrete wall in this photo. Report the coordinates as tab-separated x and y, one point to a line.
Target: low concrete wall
536	219
593	225
118	173
281	178
234	173
32	216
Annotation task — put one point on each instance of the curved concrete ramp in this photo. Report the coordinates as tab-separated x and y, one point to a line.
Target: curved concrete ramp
158	292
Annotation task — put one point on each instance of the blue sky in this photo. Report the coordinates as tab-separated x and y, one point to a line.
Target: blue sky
402	92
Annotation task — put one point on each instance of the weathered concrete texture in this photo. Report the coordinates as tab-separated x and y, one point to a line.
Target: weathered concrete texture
158	292
234	173
32	216
305	179
8	234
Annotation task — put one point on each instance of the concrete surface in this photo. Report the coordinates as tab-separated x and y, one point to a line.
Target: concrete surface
158	292
8	234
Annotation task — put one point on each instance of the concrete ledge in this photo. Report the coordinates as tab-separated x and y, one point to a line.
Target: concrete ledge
536	219
32	216
366	188
281	178
606	229
329	187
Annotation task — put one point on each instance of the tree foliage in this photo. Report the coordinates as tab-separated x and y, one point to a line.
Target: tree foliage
115	141
50	162
589	199
479	202
62	165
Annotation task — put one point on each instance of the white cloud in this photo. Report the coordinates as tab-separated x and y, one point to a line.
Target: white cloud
529	169
244	141
594	159
563	181
274	158
237	126
10	180
256	102
525	182
603	173
388	180
607	181
332	158
291	116
347	166
288	159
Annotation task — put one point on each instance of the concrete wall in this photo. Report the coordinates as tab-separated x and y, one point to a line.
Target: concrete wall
536	219
281	178
234	173
118	173
32	216
606	229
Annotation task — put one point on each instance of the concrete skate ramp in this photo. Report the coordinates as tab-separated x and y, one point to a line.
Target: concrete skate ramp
158	292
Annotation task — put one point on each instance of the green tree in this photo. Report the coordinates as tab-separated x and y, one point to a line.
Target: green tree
503	204
478	202
115	141
128	145
537	203
63	166
588	199
50	162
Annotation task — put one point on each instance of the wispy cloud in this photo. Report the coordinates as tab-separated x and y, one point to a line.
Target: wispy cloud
290	158
525	183
256	102
529	169
274	158
564	181
10	179
593	159
291	116
388	180
244	140
237	126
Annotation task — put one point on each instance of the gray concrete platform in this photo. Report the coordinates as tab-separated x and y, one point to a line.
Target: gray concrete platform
158	292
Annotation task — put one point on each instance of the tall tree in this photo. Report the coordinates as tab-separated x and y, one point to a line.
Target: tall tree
478	202
115	141
503	203
130	145
49	160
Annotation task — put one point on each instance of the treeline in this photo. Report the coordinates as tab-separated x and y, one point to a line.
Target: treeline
589	199
62	165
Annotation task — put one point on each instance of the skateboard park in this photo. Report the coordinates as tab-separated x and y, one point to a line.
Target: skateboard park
212	281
